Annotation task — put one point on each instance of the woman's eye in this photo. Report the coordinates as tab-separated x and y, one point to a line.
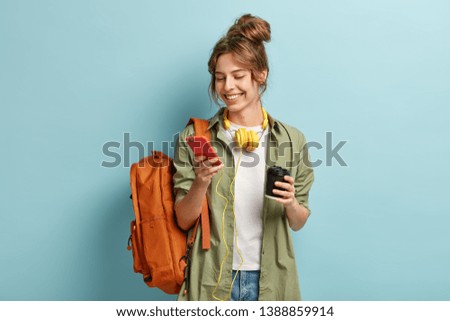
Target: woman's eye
239	77
220	78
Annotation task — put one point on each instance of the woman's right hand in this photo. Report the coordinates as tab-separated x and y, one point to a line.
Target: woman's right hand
205	169
190	206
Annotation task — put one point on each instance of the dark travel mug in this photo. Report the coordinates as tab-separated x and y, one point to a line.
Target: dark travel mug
275	174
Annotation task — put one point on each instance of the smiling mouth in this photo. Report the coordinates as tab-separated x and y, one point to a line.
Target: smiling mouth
233	97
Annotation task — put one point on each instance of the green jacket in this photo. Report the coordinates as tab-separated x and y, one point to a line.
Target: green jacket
278	276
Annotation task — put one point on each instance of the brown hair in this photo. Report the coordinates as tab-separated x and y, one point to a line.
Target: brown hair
245	40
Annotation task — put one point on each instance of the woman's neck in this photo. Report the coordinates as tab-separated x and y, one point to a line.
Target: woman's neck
249	116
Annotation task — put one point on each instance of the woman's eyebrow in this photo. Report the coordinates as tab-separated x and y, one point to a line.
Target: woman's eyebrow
233	71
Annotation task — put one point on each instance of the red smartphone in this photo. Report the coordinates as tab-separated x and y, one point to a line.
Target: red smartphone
201	147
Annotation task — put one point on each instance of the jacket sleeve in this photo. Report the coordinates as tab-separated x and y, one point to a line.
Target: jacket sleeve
183	162
304	177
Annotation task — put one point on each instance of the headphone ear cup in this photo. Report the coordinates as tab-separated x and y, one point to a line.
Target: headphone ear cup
240	137
247	139
253	141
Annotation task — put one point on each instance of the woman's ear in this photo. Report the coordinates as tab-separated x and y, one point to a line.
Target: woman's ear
261	77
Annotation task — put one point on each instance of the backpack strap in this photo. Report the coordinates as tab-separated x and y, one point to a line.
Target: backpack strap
201	129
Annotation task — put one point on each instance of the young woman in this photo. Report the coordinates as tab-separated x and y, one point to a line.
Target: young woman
251	255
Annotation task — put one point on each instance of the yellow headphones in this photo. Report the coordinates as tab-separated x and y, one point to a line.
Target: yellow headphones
247	139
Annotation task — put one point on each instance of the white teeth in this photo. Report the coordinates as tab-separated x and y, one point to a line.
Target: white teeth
232	96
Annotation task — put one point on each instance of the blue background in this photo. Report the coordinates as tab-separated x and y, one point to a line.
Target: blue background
75	75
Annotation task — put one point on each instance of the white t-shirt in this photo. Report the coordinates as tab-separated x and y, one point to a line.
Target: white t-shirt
248	199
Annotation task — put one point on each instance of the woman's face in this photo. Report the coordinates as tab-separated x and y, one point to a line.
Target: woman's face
235	85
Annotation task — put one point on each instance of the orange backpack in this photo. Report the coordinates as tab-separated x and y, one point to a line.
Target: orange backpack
161	250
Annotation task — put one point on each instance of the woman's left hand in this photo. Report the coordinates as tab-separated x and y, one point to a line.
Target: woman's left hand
287	197
296	213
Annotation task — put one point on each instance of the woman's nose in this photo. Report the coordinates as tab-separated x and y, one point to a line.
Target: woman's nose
229	83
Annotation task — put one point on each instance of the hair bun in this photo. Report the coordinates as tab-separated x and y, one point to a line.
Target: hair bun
253	28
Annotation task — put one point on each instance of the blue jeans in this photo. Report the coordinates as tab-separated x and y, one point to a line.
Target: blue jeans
246	286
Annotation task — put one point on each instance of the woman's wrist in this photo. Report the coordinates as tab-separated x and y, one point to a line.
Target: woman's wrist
201	184
297	215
